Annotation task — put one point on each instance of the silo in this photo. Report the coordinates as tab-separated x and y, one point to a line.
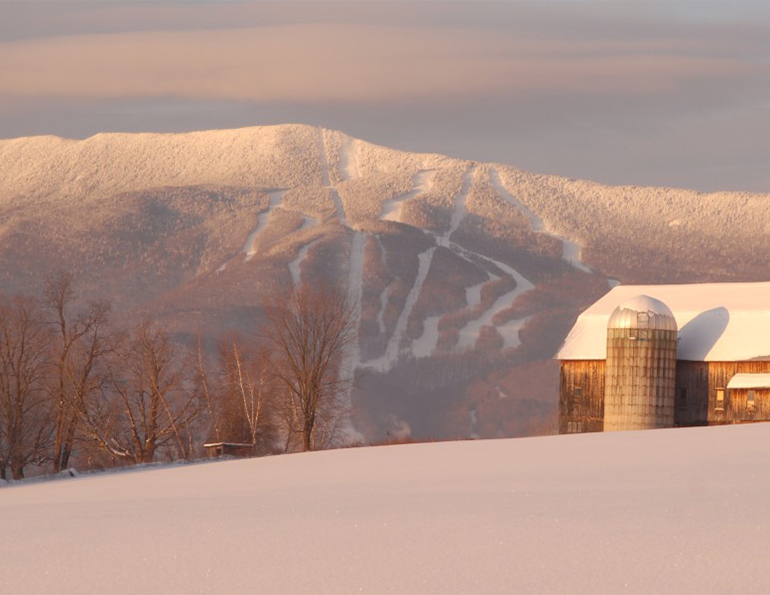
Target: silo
640	377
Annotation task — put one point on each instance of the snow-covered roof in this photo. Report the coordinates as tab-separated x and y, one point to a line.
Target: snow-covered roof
717	321
749	381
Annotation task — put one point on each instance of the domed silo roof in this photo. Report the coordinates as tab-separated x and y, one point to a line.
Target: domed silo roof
643	311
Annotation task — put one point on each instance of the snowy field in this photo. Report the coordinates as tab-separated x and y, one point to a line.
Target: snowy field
665	511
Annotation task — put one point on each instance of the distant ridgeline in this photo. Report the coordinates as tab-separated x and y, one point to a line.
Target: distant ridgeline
661	356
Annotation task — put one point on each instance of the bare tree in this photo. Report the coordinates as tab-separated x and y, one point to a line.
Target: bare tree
245	392
25	416
310	334
78	346
148	404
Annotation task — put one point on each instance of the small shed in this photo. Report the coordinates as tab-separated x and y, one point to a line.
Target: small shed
749	396
233	449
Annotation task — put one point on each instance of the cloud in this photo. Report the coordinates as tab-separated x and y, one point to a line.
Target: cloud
306	63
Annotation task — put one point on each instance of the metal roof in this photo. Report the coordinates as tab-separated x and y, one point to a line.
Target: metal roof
642	311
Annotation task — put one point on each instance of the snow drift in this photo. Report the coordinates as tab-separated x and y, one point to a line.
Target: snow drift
665	511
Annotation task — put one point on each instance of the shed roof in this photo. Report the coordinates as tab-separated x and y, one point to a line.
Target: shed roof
749	381
717	321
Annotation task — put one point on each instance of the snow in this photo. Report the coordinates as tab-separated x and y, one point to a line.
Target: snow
470	332
510	332
393	350
349	159
340	208
425	345
295	265
717	321
274	200
571	250
421	182
645	303
656	511
355	292
749	381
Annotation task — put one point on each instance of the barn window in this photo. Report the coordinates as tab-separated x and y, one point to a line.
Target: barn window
750	402
577	392
720	405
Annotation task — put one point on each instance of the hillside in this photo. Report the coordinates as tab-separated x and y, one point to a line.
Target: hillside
467	275
663	511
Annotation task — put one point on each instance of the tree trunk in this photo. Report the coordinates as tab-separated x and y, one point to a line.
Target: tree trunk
17	470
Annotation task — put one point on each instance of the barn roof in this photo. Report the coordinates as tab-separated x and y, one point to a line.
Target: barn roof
717	321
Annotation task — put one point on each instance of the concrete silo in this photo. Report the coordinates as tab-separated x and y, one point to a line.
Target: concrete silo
641	366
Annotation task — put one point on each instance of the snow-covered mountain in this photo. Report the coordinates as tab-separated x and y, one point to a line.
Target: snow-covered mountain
467	275
663	511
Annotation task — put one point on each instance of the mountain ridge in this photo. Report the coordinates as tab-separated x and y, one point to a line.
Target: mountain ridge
467	275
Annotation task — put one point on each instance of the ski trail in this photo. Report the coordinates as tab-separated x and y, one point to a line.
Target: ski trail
383	304
427	342
296	264
274	200
349	168
339	206
324	161
422	181
459	208
393	349
356	284
473	293
385	292
510	331
571	250
470	332
352	358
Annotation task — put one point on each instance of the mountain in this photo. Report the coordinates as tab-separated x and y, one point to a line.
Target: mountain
626	512
467	275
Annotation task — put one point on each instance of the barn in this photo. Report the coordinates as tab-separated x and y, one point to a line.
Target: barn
655	356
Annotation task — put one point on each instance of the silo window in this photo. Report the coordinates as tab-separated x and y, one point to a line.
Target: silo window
720	404
577	393
642	318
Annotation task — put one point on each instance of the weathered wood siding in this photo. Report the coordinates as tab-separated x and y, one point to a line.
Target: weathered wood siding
581	396
695	399
735	411
692	394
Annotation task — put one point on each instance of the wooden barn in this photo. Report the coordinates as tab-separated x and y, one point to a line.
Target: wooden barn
668	355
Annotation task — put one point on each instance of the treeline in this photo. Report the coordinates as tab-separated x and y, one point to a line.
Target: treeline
77	389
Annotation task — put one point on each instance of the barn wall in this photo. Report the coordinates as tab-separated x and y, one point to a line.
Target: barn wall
581	396
692	394
695	398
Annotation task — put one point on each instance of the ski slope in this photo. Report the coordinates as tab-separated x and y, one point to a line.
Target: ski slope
664	511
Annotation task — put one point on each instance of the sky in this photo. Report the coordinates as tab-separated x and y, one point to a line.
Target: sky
620	91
